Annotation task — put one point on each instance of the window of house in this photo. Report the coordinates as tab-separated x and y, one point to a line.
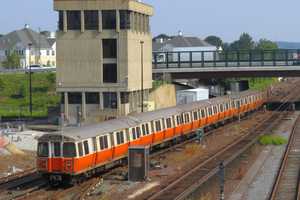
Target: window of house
158	125
48	53
109	48
75	97
169	122
125	22
92	98
110	100
91	19
103	142
109	19
73	20
60	20
80	149
86	147
120	137
110	73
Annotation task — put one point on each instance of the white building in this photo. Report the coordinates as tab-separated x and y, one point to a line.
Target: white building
43	49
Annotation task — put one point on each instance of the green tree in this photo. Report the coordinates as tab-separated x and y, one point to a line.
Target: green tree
265	44
245	42
214	40
12	61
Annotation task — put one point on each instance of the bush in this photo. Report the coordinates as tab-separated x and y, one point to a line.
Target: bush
272	140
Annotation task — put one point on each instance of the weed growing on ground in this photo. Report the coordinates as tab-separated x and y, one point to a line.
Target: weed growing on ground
272	140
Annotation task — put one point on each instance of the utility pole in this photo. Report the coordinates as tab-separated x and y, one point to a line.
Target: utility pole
142	75
30	82
39	47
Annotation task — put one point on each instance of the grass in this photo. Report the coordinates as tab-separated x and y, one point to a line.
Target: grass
261	83
14	94
272	140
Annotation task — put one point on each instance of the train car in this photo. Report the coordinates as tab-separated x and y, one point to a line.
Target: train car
76	153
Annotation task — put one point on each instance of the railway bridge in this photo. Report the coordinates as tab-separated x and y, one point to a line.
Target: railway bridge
220	64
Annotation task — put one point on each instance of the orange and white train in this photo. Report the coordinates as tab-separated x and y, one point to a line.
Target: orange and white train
82	151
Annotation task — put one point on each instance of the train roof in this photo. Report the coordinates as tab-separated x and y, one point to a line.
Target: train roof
88	131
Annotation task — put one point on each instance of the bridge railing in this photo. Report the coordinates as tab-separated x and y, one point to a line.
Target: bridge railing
243	58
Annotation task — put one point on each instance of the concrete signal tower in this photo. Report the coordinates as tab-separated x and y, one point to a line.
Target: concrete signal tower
104	57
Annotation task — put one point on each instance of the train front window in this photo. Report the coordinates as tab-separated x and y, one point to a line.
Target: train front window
43	149
55	149
69	150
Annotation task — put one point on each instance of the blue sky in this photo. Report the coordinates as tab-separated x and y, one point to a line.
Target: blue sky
275	20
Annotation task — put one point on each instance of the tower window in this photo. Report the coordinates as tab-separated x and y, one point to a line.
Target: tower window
110	100
91	19
125	22
109	19
109	48
110	73
74	20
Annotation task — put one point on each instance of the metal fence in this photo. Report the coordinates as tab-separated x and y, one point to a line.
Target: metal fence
279	57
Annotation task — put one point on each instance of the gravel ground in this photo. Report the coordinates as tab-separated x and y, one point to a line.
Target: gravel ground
262	177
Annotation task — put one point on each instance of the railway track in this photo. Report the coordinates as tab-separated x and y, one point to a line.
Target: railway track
286	185
183	186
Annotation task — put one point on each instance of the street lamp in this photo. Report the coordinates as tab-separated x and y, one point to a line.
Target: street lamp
30	82
142	74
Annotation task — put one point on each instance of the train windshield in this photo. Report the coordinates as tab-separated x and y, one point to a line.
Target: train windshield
69	150
43	149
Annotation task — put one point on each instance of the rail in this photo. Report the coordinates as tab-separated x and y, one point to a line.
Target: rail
182	187
278	185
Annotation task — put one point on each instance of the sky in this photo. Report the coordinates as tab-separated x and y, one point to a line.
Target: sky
277	20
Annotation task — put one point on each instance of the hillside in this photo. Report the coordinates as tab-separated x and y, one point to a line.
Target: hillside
14	94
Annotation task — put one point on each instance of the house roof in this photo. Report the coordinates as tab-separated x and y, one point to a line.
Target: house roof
180	41
24	37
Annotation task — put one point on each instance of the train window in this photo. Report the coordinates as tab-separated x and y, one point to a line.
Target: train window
133	131
103	142
195	115
203	113
157	125
163	124
86	147
169	123
178	119
221	108
187	118
55	147
43	149
80	150
95	144
144	129
69	150
152	127
147	129
210	111
120	137
138	132
215	109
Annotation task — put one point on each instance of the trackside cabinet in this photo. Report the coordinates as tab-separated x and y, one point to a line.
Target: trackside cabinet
138	163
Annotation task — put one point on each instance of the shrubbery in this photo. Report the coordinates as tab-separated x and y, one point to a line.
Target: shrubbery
272	140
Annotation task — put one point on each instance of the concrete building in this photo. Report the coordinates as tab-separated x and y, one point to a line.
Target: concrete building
43	49
99	57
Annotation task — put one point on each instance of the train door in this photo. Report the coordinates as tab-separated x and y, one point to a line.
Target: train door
95	149
56	159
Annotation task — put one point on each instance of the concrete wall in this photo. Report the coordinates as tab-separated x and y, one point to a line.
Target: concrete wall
164	96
